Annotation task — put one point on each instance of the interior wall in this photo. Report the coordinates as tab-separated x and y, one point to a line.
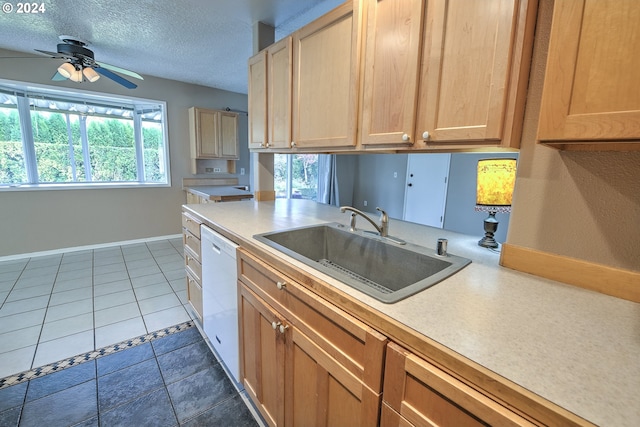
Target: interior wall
345	167
380	180
459	212
40	220
584	205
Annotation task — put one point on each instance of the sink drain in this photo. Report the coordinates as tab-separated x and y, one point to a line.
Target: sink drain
355	276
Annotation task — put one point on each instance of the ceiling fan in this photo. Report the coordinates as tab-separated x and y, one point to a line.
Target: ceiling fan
80	64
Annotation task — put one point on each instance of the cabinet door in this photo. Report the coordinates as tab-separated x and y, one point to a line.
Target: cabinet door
424	395
391	70
326	60
258	100
279	78
207	128
229	144
261	356
591	90
474	72
321	392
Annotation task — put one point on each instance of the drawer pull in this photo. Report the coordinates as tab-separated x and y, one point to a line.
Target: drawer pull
281	285
275	325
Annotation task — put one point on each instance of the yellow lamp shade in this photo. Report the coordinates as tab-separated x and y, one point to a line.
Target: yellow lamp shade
496	179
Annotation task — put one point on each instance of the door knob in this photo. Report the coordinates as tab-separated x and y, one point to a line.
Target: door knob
275	325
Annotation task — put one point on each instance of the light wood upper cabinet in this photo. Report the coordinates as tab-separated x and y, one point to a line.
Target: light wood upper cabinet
393	41
279	87
591	93
257	100
325	79
270	87
445	74
213	134
474	73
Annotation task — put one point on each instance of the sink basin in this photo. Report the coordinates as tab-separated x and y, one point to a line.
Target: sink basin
369	263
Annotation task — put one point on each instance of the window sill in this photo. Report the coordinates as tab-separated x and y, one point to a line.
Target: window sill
79	186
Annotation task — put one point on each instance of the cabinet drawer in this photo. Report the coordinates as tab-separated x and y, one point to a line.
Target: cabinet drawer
424	395
192	243
194	292
193	266
191	223
353	344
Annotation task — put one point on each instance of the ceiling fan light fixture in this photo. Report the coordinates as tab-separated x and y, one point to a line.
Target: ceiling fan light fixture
76	76
66	70
90	74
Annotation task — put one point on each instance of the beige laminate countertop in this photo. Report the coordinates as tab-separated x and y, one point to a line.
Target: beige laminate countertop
576	348
220	192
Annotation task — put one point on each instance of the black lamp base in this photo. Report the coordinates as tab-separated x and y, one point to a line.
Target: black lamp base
490	227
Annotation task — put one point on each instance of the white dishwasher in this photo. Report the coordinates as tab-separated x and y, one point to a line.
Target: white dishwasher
220	298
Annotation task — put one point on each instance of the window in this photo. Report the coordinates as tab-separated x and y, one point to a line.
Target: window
50	138
296	176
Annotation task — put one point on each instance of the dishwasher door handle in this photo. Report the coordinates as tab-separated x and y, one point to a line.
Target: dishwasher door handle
216	248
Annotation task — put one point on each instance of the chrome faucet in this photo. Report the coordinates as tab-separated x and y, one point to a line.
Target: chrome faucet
382	229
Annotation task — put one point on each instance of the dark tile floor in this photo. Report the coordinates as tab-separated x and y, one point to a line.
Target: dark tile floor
171	381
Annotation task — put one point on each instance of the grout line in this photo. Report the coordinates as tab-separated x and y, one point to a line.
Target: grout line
91	355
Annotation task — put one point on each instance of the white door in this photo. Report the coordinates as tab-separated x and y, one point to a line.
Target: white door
426	190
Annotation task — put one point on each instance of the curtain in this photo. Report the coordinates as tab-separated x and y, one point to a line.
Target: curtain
328	180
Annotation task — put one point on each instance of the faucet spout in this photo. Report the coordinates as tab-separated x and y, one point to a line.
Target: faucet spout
382	229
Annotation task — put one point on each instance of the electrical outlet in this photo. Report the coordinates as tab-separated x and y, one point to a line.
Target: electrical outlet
208	170
241	171
216	169
364	203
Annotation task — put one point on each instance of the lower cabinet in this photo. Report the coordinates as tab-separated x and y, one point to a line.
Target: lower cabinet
417	393
303	361
306	362
192	261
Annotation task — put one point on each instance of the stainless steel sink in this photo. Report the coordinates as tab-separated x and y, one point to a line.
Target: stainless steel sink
370	263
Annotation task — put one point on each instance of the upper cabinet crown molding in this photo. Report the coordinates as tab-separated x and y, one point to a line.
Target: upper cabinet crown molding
591	95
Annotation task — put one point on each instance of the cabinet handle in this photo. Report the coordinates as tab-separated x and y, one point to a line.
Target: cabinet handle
262	144
283	328
281	285
405	137
425	135
266	145
275	325
293	144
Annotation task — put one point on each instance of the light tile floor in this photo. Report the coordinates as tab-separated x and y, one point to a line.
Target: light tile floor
58	306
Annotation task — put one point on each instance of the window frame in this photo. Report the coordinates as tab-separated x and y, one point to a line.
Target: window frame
24	92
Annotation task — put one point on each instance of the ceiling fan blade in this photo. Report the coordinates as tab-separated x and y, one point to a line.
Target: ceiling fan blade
116	78
120	70
54	54
57	77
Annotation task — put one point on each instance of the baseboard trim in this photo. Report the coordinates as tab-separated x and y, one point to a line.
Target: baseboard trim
87	247
616	282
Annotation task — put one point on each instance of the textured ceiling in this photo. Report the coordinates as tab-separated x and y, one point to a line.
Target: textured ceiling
204	42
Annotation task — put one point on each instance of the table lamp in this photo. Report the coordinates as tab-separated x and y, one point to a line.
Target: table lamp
496	179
